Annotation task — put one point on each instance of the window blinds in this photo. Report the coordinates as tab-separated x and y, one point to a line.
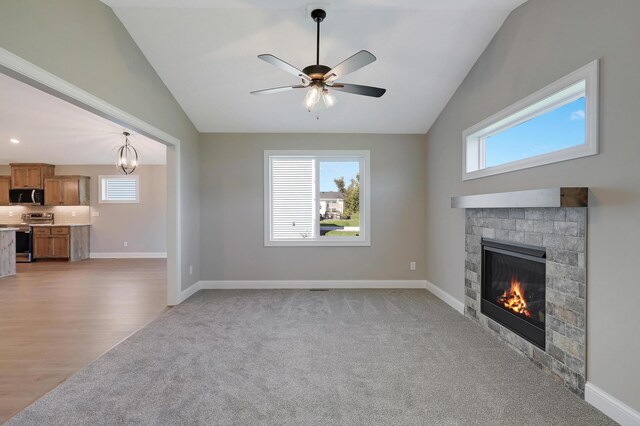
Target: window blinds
293	211
120	189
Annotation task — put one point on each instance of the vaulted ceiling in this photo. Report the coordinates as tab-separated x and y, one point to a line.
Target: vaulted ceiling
206	53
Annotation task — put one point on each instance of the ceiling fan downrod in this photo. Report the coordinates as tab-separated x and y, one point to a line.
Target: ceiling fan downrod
318	16
317	72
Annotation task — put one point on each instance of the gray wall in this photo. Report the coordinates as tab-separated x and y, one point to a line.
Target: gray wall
232	238
142	225
84	43
540	42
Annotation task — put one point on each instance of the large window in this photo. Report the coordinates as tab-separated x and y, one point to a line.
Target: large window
557	123
119	189
316	198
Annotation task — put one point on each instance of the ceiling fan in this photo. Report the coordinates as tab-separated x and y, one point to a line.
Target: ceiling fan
319	79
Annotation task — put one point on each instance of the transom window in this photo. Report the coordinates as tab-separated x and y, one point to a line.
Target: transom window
555	124
316	198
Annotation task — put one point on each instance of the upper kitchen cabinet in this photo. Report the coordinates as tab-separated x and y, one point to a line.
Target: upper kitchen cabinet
5	185
66	191
30	176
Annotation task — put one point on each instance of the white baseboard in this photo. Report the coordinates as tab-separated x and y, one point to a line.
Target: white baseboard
306	284
129	255
320	284
445	297
190	291
612	407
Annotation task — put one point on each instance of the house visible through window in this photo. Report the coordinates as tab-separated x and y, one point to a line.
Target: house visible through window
316	198
119	189
557	123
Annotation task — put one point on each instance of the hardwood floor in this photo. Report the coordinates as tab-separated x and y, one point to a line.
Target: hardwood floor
57	317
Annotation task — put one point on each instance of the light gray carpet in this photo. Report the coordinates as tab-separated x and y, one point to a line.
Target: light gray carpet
295	357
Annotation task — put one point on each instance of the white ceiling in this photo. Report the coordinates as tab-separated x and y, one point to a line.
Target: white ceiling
54	131
206	53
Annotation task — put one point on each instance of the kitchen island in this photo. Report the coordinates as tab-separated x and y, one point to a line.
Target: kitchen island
7	251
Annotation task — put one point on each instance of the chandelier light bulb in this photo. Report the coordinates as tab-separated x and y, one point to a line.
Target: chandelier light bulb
313	97
328	98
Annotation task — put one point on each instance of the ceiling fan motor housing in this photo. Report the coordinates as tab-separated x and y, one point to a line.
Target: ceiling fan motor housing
316	72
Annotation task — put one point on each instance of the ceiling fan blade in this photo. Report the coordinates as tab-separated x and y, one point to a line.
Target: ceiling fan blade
349	65
284	66
277	90
357	89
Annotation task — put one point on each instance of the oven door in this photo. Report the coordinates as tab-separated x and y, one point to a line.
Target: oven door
24	246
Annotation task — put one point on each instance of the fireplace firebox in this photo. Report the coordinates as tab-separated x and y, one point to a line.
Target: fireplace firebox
513	287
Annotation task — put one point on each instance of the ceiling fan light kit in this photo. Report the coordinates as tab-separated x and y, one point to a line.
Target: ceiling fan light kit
320	80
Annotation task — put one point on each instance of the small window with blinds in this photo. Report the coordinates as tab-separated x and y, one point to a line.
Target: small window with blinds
119	189
316	198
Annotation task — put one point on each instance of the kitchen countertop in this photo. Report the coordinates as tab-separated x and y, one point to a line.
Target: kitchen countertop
8	229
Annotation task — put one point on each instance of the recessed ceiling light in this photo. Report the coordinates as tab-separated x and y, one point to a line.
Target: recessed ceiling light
12	140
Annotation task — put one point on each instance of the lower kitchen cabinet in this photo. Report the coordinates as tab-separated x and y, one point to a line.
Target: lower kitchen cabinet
51	246
61	242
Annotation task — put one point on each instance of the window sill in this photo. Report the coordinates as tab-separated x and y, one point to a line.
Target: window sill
572	153
318	243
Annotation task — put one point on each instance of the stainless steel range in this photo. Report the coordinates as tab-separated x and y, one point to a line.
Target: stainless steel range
24	236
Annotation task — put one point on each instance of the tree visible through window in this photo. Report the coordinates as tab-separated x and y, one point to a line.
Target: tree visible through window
340	201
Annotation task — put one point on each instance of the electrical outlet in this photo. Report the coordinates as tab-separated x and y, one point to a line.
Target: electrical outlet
126	244
190	269
73	214
412	266
10	214
95	213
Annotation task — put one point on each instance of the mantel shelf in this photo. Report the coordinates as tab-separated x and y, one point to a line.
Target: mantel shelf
549	197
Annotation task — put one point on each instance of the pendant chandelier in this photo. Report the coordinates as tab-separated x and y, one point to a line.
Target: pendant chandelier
127	156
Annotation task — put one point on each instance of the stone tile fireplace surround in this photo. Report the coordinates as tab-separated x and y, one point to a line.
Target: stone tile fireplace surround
562	232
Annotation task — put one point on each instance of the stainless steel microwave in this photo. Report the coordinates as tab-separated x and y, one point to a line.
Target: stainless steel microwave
27	197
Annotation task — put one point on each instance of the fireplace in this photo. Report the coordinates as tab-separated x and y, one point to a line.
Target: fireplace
513	287
538	254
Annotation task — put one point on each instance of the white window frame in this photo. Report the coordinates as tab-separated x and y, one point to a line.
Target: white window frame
101	177
544	100
365	196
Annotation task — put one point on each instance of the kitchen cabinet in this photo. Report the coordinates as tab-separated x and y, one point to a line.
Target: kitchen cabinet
66	191
51	247
30	176
5	185
61	242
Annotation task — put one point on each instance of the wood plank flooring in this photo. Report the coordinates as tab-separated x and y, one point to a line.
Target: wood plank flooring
57	317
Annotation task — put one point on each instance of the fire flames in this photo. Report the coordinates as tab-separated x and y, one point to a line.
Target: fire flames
513	299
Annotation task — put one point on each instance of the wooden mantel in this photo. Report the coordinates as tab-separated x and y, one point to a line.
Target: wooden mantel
549	197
